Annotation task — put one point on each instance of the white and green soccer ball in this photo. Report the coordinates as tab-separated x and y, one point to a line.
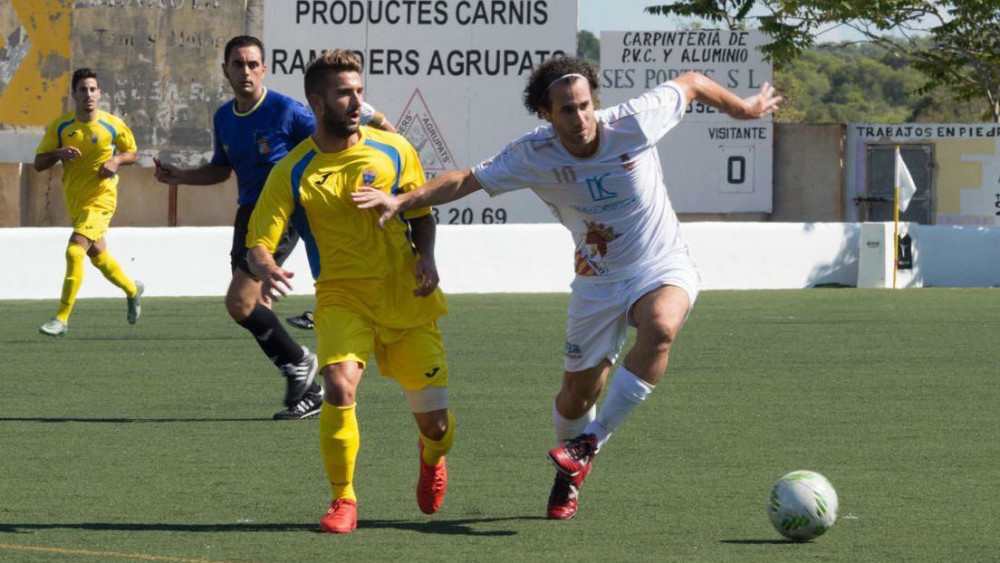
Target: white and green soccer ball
802	505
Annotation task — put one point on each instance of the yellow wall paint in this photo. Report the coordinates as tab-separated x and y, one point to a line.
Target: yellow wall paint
955	174
38	90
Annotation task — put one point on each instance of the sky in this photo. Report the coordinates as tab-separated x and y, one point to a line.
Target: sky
619	15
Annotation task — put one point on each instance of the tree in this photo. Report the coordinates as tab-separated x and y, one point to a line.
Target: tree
962	53
588	46
838	83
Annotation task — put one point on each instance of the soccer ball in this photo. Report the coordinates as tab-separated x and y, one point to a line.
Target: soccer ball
802	505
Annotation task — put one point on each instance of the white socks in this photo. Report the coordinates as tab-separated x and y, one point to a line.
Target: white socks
566	428
625	394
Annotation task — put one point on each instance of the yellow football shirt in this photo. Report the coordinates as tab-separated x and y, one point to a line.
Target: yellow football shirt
355	263
97	140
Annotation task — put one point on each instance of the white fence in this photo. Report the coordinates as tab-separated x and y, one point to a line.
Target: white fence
509	258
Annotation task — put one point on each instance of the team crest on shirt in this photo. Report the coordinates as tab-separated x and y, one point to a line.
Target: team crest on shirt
263	145
94	139
367	177
595	247
573	350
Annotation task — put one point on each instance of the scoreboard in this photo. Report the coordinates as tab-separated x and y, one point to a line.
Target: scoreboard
712	163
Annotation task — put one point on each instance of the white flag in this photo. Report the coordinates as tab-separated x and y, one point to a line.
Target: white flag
904	182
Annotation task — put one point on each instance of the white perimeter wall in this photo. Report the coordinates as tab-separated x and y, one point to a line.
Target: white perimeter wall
508	258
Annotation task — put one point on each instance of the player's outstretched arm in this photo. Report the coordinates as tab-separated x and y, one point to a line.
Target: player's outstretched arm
442	189
275	281
698	87
203	175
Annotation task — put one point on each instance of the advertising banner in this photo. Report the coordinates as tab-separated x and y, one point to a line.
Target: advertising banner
447	73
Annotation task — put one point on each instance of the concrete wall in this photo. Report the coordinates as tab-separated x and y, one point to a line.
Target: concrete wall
159	66
808	172
808	187
512	258
159	69
35	199
10	195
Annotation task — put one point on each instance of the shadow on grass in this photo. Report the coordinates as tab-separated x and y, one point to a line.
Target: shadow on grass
8	528
445	527
157	337
127	420
758	542
461	527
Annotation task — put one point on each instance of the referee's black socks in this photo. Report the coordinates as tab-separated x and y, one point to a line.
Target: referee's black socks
272	337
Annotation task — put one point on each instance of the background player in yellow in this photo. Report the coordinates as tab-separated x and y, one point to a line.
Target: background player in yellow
376	291
91	144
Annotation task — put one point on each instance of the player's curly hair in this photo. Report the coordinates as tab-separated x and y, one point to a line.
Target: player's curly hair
337	60
536	93
82	74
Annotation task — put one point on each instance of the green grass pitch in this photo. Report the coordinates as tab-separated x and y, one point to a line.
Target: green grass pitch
154	442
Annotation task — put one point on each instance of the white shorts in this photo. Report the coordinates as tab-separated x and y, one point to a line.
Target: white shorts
597	320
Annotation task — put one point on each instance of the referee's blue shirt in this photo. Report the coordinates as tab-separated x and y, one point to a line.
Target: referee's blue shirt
252	142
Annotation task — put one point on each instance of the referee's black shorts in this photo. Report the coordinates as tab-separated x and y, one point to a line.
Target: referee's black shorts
238	254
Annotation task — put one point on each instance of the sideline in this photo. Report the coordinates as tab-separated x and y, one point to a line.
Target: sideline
140	556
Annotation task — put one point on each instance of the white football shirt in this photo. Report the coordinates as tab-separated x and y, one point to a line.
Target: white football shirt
615	202
367	113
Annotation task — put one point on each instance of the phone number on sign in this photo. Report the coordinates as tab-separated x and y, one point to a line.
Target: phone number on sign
469	216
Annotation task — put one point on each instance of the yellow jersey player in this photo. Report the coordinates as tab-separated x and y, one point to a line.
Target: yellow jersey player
376	291
91	144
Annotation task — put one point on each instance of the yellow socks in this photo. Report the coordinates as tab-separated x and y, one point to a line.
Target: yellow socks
72	281
113	272
339	440
435	450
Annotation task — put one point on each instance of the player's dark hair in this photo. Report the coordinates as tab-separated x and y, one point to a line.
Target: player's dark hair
337	60
536	93
82	74
243	41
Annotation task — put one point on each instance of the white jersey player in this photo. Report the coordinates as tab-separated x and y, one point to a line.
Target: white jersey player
600	174
614	201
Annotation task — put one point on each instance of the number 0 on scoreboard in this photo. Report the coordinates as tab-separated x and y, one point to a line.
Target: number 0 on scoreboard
737	169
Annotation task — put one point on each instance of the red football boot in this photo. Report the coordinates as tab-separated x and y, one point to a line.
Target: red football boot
432	484
571	457
341	518
564	495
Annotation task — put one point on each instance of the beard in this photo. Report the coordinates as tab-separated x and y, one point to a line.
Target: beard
336	125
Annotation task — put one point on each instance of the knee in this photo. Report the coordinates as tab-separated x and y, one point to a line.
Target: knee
660	334
238	306
339	390
75	252
434	427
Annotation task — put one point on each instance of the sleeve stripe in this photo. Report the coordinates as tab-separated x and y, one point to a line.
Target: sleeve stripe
299	219
297	171
62	126
393	155
113	131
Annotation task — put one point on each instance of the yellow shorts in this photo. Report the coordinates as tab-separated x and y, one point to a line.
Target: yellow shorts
414	357
92	222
